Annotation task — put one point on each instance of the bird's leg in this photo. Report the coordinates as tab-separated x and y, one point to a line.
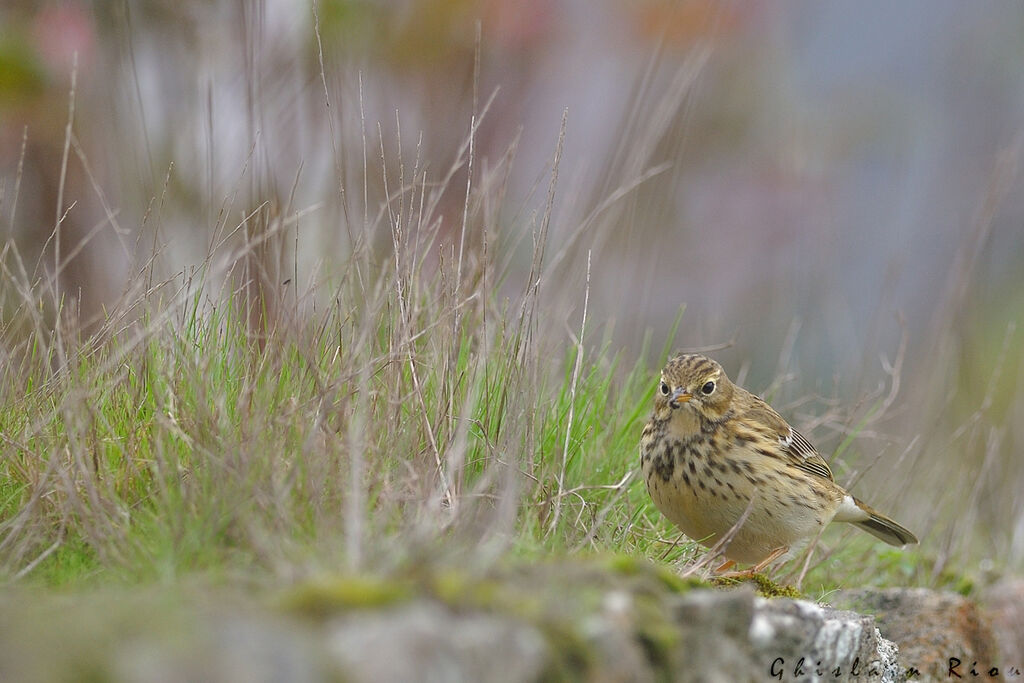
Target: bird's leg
775	554
728	564
759	567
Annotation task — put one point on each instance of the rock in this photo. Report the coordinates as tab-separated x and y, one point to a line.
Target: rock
716	636
934	630
233	649
737	636
1004	607
425	641
834	644
616	643
128	637
580	621
715	643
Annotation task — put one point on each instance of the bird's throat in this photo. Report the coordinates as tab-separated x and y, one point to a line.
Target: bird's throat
684	423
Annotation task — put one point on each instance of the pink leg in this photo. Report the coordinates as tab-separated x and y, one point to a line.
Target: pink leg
728	564
760	566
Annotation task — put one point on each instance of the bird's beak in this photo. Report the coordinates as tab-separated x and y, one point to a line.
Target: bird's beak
679	396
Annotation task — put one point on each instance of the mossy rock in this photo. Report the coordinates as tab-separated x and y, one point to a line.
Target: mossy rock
324	597
764	586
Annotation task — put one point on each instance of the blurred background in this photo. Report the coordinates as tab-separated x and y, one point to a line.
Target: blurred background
832	193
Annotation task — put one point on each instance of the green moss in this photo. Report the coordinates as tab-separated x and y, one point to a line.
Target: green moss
656	632
571	655
322	598
494	594
628	565
764	586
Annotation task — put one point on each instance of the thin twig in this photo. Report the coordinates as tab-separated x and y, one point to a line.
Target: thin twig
572	401
719	547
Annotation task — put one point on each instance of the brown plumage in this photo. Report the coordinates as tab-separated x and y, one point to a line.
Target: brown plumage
712	447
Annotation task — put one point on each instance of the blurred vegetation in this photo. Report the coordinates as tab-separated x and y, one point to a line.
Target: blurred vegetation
303	286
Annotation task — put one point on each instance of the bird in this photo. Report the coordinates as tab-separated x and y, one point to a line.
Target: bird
726	468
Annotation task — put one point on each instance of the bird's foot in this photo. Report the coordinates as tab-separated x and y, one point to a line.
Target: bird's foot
721	572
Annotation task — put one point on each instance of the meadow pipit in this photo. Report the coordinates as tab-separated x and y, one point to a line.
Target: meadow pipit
713	452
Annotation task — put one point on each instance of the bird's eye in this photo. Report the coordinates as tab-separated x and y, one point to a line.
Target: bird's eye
708	388
664	389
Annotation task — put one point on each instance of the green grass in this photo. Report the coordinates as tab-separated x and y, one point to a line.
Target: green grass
423	401
373	434
375	431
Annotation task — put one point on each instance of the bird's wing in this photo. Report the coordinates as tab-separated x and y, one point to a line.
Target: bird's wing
796	449
804	455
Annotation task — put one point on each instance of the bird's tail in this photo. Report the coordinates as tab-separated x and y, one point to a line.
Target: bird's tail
881	527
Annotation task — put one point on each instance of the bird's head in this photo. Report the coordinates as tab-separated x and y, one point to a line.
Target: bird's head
690	383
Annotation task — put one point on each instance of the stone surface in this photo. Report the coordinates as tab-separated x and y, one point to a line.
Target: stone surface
590	622
612	635
1003	603
136	638
735	636
834	644
718	636
425	641
233	649
715	637
932	629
